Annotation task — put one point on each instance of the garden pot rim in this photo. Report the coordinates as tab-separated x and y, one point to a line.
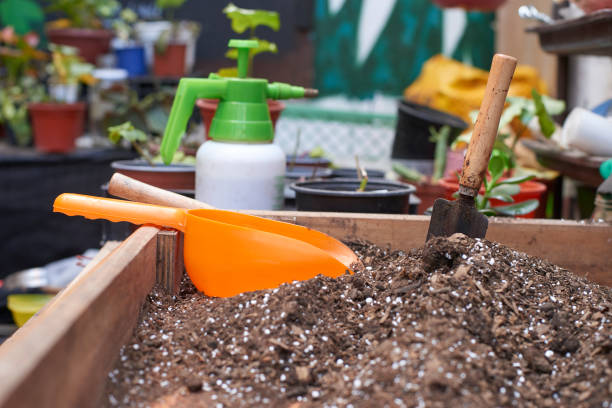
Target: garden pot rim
173	43
83	32
299	171
130	47
429	114
55	106
144	166
310	187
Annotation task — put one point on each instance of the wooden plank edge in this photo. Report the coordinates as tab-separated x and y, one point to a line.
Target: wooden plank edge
583	248
61	356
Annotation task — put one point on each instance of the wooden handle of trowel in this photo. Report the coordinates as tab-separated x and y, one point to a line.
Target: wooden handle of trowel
485	130
134	190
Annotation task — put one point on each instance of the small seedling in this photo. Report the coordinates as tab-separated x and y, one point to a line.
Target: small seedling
411	175
362	175
440	138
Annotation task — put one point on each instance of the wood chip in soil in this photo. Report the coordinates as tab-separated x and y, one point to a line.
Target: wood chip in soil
461	321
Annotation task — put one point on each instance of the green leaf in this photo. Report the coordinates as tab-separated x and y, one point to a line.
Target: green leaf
505	189
262	46
480	201
553	106
407	173
464	138
164	4
516	106
243	19
126	131
501	197
516	180
23	15
487	211
521	208
497	166
547	126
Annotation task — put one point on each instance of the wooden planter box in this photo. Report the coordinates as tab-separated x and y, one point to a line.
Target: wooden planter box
61	357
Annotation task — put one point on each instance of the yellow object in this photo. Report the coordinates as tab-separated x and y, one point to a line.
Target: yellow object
24	306
453	87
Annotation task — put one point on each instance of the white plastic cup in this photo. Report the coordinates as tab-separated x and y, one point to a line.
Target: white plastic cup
589	132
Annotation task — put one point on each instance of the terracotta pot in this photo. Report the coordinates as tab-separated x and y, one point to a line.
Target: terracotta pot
428	193
90	42
484	5
176	177
172	62
56	125
529	190
208	107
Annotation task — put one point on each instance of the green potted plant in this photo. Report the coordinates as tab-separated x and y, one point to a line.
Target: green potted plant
81	26
241	21
20	60
59	119
355	194
519	116
175	44
179	176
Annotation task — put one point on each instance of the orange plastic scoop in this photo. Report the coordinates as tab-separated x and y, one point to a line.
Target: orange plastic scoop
227	253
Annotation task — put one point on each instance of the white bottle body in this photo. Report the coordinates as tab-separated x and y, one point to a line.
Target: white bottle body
240	176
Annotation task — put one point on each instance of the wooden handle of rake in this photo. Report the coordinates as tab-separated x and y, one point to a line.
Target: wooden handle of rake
485	130
134	190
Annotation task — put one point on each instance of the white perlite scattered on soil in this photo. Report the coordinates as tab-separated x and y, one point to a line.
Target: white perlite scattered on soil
467	321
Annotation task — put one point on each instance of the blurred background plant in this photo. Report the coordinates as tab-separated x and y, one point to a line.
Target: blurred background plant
141	142
249	19
177	30
522	118
124	25
66	71
19	81
82	13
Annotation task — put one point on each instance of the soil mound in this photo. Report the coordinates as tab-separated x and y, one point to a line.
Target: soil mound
461	320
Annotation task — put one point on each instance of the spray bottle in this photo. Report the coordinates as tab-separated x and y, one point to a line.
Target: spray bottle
240	168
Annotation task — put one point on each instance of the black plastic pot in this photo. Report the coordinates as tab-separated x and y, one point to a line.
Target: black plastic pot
340	195
303	173
412	130
348	172
307	161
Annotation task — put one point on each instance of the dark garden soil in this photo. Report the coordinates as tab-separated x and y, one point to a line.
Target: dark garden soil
460	322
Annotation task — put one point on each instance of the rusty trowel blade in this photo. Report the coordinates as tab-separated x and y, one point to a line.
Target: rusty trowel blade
449	217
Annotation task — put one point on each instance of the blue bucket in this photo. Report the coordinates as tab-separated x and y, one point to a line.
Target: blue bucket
132	59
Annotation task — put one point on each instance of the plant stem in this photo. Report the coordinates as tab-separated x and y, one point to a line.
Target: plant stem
441	139
142	153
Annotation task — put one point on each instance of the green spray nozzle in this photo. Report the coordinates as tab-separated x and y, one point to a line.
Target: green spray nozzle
242	114
243	47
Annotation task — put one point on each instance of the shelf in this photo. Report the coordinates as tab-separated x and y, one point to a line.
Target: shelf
587	35
571	163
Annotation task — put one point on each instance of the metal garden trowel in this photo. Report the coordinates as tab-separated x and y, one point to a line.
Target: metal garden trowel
449	217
